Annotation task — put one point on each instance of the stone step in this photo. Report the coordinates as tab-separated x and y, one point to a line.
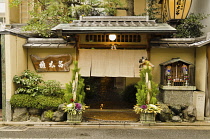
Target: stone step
207	118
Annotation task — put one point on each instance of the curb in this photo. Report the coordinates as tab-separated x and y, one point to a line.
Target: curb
83	124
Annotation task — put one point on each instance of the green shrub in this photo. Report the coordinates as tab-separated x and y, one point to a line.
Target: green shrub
28	83
191	27
23	100
52	88
48	102
32	84
49	114
32	94
40	101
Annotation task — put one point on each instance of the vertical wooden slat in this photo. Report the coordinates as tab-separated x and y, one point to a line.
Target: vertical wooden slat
119	38
192	75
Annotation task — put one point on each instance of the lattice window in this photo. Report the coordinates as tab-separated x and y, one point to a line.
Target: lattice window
120	38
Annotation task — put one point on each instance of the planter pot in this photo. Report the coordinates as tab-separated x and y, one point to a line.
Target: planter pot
74	118
147	117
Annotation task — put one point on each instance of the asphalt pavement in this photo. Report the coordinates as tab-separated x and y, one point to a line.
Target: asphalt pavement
105	129
105	132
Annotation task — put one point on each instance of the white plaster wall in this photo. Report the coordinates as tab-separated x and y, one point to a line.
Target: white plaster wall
15	61
201	67
202	6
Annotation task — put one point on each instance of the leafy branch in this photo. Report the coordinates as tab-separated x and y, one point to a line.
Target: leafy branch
45	14
191	27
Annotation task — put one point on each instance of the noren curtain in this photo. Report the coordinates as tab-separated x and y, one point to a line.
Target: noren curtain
110	63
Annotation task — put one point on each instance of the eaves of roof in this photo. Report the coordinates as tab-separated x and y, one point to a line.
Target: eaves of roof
179	42
159	28
15	34
16	29
47	43
114	24
200	44
174	60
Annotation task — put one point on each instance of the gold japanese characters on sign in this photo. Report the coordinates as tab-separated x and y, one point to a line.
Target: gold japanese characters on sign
52	63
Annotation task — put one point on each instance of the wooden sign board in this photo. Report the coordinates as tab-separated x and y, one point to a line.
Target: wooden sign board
52	63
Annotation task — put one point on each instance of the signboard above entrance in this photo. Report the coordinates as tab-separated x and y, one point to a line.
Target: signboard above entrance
52	63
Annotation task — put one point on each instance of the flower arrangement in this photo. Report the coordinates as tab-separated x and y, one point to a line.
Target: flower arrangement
74	108
150	108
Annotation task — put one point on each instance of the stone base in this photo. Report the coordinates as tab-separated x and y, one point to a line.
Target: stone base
199	103
147	117
74	118
178	97
178	87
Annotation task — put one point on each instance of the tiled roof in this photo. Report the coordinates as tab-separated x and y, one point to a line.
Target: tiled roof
200	43
47	43
100	24
16	29
174	60
179	42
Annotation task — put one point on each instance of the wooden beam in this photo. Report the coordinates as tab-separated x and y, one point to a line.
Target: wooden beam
108	46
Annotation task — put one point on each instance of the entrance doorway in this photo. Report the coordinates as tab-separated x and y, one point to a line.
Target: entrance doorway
106	93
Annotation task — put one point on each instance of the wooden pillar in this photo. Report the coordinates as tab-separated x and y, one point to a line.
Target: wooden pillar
77	39
207	97
148	47
3	77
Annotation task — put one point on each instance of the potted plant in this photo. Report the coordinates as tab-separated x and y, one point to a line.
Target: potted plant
74	111
74	96
147	112
146	94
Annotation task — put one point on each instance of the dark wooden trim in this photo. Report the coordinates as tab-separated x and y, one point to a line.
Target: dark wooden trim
108	46
3	77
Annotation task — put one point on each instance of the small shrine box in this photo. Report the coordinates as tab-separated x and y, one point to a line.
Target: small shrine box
177	72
